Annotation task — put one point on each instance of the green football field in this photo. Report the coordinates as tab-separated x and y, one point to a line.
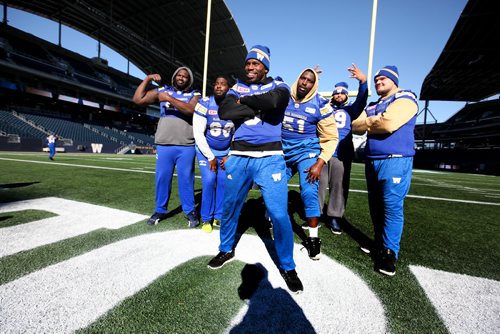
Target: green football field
447	277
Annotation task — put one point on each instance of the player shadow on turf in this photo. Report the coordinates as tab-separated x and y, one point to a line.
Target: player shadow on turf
253	216
295	206
270	310
17	185
177	210
356	234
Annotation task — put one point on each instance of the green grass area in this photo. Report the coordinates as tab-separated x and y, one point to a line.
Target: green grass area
458	234
26	216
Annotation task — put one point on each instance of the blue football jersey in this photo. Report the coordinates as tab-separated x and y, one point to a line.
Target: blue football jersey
166	110
300	120
219	132
259	130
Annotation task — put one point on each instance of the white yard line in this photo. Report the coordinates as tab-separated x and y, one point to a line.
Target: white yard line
466	304
291	185
73	219
74	293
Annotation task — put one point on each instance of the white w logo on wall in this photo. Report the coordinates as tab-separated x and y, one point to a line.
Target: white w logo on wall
96	148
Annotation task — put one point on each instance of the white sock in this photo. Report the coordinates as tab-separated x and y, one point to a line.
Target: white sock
313	232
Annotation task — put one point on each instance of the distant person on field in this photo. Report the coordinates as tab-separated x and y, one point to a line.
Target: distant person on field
389	150
309	136
213	137
336	175
51	143
174	140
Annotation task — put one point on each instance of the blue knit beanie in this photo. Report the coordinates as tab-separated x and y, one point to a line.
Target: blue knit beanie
389	71
341	88
261	53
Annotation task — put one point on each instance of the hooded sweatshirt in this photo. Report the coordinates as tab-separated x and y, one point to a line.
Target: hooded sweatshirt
174	127
308	121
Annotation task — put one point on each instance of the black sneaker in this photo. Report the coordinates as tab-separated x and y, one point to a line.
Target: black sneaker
387	262
335	226
192	220
292	281
156	218
221	259
313	246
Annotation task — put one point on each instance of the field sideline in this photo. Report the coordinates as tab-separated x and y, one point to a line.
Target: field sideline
65	266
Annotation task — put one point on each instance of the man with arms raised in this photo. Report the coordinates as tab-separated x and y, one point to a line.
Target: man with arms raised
336	175
174	140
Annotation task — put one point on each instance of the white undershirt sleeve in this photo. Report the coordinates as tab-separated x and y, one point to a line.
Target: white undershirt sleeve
199	127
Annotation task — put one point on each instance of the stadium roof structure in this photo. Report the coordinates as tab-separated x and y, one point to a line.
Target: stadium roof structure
468	68
155	35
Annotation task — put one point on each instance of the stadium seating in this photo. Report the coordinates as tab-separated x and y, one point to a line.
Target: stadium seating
11	124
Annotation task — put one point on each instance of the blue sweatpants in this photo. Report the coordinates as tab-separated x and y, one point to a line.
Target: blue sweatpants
388	183
52	150
167	158
212	194
308	191
269	173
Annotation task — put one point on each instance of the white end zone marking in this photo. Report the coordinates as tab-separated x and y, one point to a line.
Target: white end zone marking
466	304
74	218
72	294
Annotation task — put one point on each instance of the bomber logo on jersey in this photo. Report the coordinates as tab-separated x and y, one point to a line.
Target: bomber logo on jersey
241	89
212	112
326	109
254	87
201	109
310	110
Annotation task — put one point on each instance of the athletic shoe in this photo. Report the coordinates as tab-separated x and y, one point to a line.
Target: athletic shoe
313	247
206	227
216	223
305	226
156	218
335	227
292	281
387	262
192	220
221	259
